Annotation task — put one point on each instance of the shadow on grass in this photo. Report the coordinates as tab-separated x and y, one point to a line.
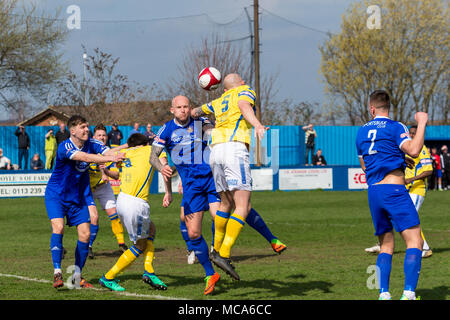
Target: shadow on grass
288	288
437	293
115	253
277	288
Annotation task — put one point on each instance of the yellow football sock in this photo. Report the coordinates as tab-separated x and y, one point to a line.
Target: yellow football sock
117	229
234	228
220	225
127	258
148	256
423	237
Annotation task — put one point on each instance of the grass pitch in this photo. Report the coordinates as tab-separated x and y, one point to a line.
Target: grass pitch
326	233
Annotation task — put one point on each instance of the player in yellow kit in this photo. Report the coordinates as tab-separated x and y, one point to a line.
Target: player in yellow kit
102	191
230	163
415	179
134	212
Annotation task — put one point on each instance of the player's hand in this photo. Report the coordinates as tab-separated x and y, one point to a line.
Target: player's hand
118	157
409	162
260	131
167	200
421	117
166	171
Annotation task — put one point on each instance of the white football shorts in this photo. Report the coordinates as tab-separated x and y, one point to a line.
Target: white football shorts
105	195
417	200
134	213
230	166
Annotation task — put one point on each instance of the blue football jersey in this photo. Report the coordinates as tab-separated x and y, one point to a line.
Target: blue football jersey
69	181
186	147
378	142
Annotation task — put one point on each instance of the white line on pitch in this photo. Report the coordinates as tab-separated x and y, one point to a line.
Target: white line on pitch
128	294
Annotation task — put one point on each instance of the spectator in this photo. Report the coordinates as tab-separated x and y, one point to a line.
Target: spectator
50	149
24	146
135	129
36	162
445	157
438	172
115	136
5	163
62	134
319	159
310	136
149	133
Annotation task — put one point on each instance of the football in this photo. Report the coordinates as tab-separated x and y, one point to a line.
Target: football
209	78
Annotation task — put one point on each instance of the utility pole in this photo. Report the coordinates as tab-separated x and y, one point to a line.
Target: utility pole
256	56
257	84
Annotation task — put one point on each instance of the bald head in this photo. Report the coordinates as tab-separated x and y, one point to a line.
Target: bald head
232	80
180	101
180	109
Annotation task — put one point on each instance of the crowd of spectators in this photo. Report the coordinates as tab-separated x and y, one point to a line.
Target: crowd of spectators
52	141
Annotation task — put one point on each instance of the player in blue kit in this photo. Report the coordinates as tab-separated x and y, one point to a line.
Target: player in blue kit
382	144
182	137
68	193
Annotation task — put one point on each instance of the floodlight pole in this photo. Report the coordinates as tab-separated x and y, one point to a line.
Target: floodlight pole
84	79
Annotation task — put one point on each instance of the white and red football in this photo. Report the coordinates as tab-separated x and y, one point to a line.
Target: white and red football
209	78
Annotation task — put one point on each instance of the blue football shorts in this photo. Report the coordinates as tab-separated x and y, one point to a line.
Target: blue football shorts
74	214
391	207
198	194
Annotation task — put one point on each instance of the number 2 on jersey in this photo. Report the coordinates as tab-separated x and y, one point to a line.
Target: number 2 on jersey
372	133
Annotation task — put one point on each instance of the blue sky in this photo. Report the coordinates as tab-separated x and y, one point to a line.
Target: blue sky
151	51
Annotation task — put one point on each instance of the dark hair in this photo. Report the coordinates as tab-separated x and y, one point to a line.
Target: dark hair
137	139
75	120
100	126
413	127
380	99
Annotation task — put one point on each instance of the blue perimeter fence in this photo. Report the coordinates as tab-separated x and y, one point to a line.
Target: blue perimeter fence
282	158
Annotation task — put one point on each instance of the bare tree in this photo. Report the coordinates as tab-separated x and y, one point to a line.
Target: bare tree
29	53
228	57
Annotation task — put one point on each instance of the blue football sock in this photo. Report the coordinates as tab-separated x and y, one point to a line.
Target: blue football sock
56	247
94	231
81	253
384	266
201	251
412	266
255	221
213	229
185	235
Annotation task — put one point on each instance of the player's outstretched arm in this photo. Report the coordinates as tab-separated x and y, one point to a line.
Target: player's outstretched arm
116	149
95	158
197	113
414	146
165	169
249	115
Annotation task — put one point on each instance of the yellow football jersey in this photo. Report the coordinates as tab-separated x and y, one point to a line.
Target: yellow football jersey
422	163
95	175
230	123
136	171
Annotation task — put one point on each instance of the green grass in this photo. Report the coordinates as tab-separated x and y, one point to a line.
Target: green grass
326	233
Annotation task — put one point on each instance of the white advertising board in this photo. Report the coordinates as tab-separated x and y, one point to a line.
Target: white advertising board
306	179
